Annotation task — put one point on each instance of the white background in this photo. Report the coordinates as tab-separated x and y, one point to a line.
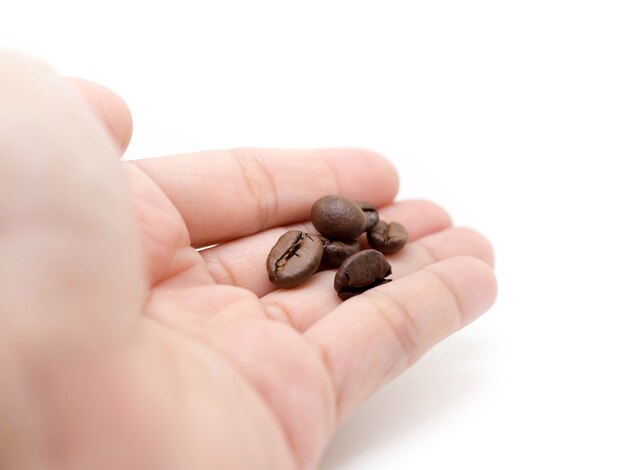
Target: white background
511	114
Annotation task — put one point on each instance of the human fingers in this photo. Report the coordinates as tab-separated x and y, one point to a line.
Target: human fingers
169	259
109	107
228	194
373	337
302	307
242	262
70	271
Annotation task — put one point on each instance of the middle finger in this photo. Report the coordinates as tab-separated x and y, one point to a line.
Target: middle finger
302	307
242	262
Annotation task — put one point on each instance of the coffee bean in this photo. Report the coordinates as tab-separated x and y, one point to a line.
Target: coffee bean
371	214
387	238
360	272
338	218
335	251
294	258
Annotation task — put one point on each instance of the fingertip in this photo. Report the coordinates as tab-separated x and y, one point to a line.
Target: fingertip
110	107
457	241
472	281
482	246
387	171
435	211
419	217
362	165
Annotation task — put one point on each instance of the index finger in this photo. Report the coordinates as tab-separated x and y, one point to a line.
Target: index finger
227	194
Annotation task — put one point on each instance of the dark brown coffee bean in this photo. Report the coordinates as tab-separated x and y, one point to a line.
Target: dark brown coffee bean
294	258
335	251
387	238
371	214
338	218
360	272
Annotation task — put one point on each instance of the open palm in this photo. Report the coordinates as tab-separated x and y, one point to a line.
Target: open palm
123	346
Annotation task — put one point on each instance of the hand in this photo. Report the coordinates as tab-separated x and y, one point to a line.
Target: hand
122	346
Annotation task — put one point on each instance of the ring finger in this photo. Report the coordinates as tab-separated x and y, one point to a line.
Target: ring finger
242	262
302	307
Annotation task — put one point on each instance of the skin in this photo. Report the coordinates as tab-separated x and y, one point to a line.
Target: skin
122	346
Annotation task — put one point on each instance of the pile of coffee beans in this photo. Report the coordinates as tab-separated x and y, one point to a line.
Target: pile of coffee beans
297	255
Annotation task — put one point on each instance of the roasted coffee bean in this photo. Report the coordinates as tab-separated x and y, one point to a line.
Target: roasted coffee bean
338	218
335	251
360	272
294	258
371	214
387	238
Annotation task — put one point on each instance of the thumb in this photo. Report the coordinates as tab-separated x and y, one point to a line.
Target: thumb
109	107
70	274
